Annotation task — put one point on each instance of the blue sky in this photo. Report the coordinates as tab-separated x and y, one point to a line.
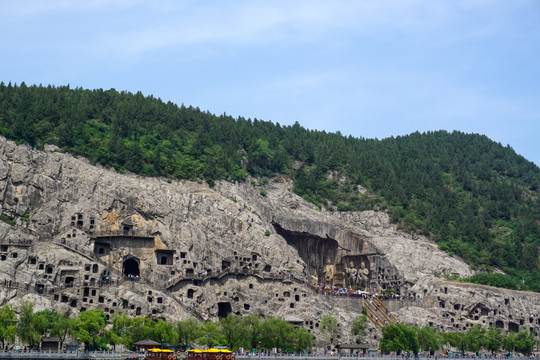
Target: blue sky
371	68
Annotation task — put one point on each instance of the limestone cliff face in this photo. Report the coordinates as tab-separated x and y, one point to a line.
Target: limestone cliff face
88	237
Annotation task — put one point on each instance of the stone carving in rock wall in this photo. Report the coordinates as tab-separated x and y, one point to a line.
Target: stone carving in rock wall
357	277
329	272
363	275
352	275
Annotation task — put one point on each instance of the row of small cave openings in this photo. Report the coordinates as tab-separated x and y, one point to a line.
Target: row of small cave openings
166	257
78	222
5	253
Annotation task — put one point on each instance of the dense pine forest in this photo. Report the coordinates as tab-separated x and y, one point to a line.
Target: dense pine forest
474	197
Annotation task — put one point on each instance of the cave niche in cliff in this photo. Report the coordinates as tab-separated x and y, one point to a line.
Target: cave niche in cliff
131	267
317	252
224	309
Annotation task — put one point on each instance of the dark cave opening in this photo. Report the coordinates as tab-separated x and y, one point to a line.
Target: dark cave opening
224	309
131	267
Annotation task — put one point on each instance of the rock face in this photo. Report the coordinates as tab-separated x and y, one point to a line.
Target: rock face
87	237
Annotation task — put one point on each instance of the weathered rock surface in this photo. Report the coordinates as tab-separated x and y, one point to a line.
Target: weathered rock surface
82	232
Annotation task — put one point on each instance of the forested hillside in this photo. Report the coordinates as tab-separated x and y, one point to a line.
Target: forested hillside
474	197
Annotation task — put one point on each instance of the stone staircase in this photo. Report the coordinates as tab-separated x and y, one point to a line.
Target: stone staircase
378	313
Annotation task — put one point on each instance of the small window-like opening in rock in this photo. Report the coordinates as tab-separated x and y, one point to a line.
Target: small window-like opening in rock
457	306
160	300
251	286
86	292
85	299
138	311
32	260
79	224
149	292
513	327
69	280
73	218
73	303
69	236
79	216
189	272
521	322
132	307
506	301
267	268
254	257
297	297
286	294
292	305
173	272
3	257
113	304
246	306
64	298
499	324
74	235
95	268
163	260
92	221
224	309
49	269
182	255
154	311
190	293
149	299
131	268
225	264
87	267
101	299
14	255
93	292
236	298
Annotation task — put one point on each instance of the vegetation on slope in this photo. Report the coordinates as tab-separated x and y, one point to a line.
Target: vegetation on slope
474	197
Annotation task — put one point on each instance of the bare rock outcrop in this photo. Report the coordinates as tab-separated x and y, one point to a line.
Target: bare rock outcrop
77	236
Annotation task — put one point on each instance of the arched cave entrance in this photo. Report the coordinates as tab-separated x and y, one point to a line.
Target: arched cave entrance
131	267
224	309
